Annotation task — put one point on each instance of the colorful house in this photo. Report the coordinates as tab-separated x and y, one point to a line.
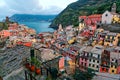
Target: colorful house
95	57
81	26
95	18
116	42
105	60
28	44
84	57
4	33
85	33
12	26
61	64
118	69
109	39
114	59
92	19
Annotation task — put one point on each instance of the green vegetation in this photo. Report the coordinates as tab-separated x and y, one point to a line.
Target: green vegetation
69	16
81	75
3	25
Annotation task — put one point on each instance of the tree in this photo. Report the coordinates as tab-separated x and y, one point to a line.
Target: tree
79	75
90	74
84	75
53	72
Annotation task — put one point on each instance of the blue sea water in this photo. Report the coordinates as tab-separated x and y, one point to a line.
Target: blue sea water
38	26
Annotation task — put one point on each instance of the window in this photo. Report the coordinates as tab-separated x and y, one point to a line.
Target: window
97	66
102	69
93	60
112	59
116	61
82	63
98	56
85	64
111	65
82	59
93	65
113	71
85	59
106	15
90	60
89	64
91	55
97	61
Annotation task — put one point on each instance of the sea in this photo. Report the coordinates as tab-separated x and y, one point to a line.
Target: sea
38	26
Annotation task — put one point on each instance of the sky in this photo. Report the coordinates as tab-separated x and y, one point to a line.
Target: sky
10	7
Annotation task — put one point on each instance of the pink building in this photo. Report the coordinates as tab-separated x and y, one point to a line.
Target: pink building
84	60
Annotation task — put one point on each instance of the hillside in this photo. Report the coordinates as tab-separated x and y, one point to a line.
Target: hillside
82	7
31	18
3	25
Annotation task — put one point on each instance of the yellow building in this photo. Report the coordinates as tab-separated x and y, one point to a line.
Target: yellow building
116	19
113	69
114	57
72	40
81	26
72	65
110	39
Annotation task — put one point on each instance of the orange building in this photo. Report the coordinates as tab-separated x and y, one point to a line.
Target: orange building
61	63
28	44
4	33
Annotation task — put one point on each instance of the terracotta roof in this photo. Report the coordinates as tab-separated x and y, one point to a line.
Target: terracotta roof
95	15
83	17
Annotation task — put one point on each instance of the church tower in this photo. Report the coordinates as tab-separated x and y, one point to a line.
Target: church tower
113	9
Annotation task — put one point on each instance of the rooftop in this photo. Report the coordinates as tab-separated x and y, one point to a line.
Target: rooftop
97	49
48	54
87	48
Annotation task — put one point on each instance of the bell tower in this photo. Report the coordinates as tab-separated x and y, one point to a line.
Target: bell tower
113	9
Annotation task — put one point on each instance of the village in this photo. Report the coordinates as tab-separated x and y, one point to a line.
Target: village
66	49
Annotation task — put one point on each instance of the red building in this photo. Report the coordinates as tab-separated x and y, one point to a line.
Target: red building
85	33
92	19
105	61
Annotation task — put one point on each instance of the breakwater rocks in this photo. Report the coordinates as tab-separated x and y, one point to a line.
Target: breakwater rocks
12	59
